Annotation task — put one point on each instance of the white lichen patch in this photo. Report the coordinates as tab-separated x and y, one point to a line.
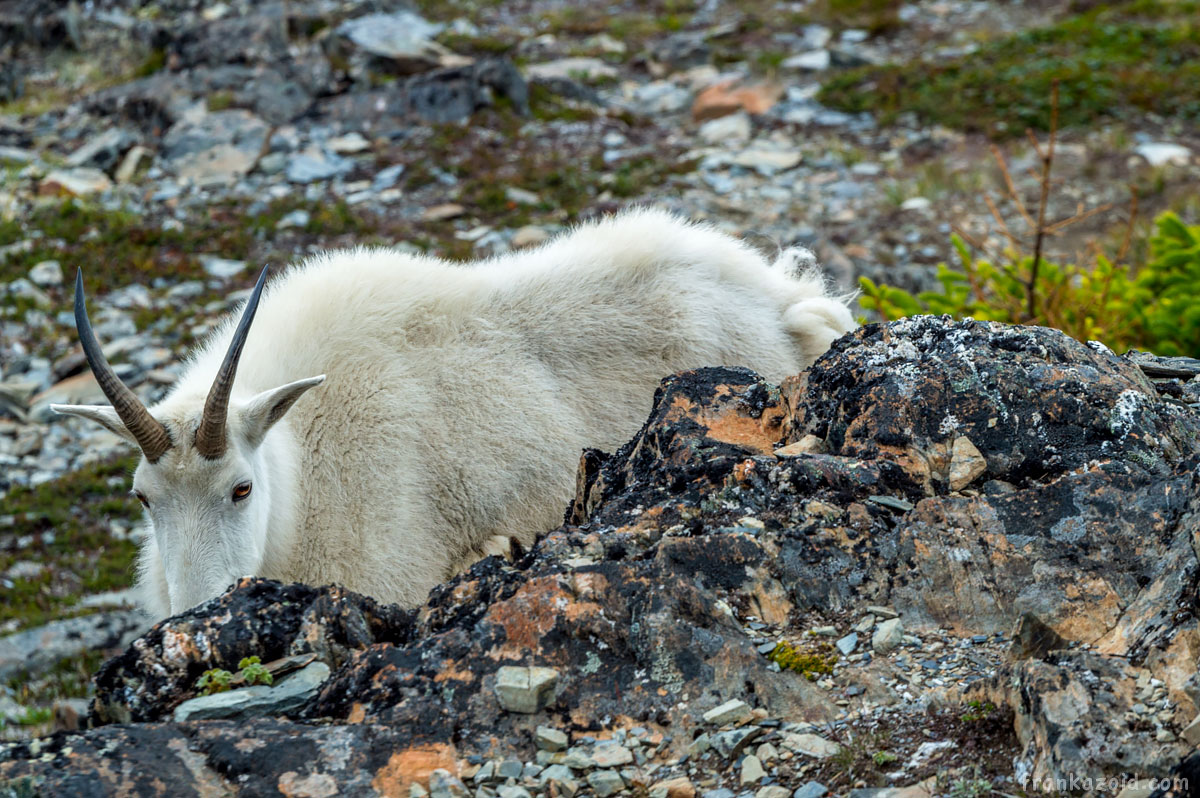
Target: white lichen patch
1123	417
949	424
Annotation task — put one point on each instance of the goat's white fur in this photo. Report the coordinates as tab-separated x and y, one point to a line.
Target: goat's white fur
456	400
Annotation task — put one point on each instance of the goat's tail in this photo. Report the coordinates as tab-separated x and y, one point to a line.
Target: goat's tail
817	317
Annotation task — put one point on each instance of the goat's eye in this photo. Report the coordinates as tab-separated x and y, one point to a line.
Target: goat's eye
142	498
241	491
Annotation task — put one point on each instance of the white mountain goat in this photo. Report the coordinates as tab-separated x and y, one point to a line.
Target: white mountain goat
454	400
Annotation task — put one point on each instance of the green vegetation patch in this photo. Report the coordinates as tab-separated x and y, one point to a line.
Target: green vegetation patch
812	662
1113	62
65	525
69	678
1155	307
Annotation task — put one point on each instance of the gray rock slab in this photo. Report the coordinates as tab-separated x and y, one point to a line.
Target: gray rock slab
258	700
35	649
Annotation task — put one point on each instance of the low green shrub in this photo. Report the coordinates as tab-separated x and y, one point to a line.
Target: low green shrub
1156	307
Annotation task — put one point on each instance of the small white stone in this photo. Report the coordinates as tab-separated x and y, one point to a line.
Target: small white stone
47	273
1162	153
814	61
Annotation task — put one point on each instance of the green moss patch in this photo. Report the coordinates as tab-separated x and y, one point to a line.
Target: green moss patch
812	662
1112	62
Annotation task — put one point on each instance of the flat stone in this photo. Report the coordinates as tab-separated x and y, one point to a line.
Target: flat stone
440	213
809	444
882	613
525	690
551	739
732	711
611	754
512	791
847	644
46	274
403	39
679	787
443	784
888	635
81	181
103	151
773	791
1161	153
222	268
731	743
812	789
915	204
217	148
529	236
752	770
735	127
605	782
810	745
313	165
813	61
767	161
288	694
348	144
572	68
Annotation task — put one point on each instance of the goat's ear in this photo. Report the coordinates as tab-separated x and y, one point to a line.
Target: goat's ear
101	414
261	412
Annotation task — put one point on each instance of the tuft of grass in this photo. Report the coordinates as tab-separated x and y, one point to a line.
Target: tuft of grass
978	710
68	678
1113	61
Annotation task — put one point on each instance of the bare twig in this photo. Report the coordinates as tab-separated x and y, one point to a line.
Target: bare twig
1012	189
1047	163
1133	209
1079	217
1000	221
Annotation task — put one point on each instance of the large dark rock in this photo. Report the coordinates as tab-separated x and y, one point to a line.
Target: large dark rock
1077	513
441	95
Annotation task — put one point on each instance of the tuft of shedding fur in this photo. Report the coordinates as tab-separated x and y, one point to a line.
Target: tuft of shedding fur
457	398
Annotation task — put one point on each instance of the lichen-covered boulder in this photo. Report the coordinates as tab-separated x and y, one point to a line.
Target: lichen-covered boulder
742	514
1034	402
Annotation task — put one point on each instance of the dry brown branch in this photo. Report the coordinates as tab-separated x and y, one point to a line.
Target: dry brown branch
1004	231
1047	164
1078	217
1133	209
1008	182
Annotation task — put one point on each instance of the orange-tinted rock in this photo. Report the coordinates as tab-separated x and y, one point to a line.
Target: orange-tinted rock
727	97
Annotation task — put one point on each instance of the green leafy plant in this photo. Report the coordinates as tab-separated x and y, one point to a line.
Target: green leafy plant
214	680
978	710
884	758
254	672
970	788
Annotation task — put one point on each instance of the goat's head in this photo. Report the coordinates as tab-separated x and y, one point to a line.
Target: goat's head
205	478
